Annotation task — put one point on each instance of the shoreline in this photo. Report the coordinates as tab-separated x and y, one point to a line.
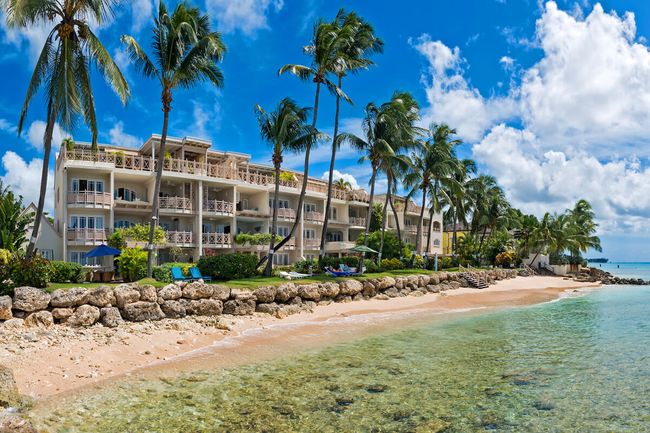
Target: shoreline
59	361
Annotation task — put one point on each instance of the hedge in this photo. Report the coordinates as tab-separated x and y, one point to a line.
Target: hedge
64	272
232	266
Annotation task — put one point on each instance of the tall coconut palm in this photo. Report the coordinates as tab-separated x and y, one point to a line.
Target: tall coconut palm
460	201
342	184
323	48
63	70
286	129
582	217
357	39
489	206
185	52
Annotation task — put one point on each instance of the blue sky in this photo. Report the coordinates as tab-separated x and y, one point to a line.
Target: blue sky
551	98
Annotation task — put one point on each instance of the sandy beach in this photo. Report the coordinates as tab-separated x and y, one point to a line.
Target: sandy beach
49	362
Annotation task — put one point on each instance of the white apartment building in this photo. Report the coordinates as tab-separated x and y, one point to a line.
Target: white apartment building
207	197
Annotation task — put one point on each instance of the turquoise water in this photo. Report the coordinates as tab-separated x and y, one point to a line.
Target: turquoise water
626	269
581	364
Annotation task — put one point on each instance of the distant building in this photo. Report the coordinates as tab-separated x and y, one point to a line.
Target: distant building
48	242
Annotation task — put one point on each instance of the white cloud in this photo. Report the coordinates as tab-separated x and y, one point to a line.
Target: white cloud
336	175
507	62
34	35
7	126
36	133
120	138
141	14
247	16
24	178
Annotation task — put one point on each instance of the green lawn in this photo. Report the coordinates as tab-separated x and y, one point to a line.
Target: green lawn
255	282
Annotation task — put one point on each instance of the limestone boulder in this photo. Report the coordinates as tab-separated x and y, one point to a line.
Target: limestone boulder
350	287
174	309
434	279
221	293
30	299
270	308
102	296
424	280
309	292
62	313
141	311
329	290
16	424
392	292
204	307
9	396
66	298
197	290
399	283
381	297
386	282
111	317
125	294
147	293
40	319
170	292
85	315
5	308
238	307
265	294
14	323
285	292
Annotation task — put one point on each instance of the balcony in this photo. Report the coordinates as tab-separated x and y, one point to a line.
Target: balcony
338	246
179	204
413	229
311	244
286	214
217	240
178	238
357	221
220	207
88	198
87	236
314	217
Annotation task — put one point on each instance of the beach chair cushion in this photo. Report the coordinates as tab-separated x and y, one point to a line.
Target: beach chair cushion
196	274
177	274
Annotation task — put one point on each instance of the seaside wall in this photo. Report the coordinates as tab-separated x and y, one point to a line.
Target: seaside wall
133	302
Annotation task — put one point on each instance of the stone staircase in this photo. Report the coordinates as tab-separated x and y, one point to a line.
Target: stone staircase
473	281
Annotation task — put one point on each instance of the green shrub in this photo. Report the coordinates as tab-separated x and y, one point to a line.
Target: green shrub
163	273
132	264
232	266
371	266
335	262
392	264
35	272
256	239
303	266
63	272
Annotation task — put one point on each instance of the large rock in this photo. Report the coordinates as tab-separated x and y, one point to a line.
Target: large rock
102	296
30	299
386	283
40	319
350	287
62	313
221	293
65	298
285	292
9	396
267	308
125	294
170	292
15	424
434	279
147	293
5	308
174	309
14	323
238	307
309	292
329	290
265	295
197	290
86	315
141	311
424	280
111	317
204	307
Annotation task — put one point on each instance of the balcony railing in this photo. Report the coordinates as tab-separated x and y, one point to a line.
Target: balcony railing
179	238
176	203
286	213
217	239
87	235
311	243
88	197
218	206
358	221
411	229
338	245
243	174
315	217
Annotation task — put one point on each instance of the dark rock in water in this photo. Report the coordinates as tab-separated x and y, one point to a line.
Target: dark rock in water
544	404
344	401
401	415
9	396
435	426
377	388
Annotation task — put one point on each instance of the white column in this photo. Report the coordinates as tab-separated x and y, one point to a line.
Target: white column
64	225
199	228
111	189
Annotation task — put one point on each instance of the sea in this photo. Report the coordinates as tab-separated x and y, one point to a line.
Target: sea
577	364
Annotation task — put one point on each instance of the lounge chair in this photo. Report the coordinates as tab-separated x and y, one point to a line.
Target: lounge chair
345	268
196	274
298	275
177	274
340	273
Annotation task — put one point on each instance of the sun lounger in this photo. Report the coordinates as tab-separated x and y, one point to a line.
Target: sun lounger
341	273
196	274
345	268
297	275
177	274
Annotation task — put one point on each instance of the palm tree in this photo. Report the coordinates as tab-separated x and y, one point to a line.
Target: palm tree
13	220
63	69
584	227
342	184
357	38
459	200
489	206
186	53
286	129
323	49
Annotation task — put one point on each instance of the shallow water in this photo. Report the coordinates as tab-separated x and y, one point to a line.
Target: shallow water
581	364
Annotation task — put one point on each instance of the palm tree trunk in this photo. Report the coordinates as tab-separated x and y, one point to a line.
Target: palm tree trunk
399	231
454	238
480	246
305	178
418	240
384	217
429	232
167	100
331	175
47	147
269	265
369	216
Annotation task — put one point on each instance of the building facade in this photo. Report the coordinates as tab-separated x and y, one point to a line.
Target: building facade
207	197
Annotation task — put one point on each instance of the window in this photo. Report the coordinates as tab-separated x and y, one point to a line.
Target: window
281	259
87	222
282	204
436	226
334	236
125	194
333	213
310	207
87	185
122	224
283	231
309	234
47	254
206	228
436	242
78	257
310	257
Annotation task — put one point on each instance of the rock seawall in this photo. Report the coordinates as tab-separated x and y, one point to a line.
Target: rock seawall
110	306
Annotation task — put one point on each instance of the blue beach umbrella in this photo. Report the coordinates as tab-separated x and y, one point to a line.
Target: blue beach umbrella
101	251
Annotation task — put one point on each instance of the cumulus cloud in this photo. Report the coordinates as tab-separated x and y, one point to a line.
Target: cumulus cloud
34	36
336	175
120	138
36	133
24	178
247	16
141	14
573	125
